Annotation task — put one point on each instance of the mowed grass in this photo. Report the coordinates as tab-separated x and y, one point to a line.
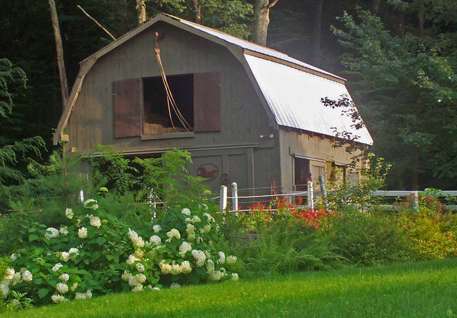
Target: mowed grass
426	289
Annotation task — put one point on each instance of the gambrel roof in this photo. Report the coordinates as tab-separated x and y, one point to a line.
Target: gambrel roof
291	90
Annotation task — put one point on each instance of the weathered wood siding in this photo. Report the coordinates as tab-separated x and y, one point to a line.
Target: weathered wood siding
319	150
237	149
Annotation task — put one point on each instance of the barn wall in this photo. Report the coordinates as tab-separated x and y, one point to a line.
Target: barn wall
237	149
320	150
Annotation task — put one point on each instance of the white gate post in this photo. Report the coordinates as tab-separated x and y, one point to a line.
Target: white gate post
416	201
310	194
81	196
234	196
223	198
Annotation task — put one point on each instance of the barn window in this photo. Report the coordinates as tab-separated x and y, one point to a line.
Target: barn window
161	117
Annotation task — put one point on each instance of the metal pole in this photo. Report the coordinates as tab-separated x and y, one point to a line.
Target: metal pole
234	196
323	190
81	196
310	194
223	198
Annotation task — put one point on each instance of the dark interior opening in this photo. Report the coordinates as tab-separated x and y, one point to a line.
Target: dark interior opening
302	174
158	119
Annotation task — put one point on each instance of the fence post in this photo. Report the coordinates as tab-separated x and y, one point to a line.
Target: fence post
81	196
416	201
234	196
323	191
310	194
223	198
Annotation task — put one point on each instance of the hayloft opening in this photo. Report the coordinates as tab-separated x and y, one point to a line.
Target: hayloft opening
158	116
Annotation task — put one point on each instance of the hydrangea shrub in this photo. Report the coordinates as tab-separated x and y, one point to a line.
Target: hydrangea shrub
93	253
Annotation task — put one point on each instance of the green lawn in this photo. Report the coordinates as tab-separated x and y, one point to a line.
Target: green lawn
417	290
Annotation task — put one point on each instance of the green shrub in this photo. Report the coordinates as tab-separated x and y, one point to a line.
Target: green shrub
431	235
368	238
93	252
282	244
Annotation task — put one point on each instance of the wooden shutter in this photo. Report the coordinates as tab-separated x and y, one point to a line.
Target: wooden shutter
127	103
207	102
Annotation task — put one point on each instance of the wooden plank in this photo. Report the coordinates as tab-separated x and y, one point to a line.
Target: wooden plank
127	104
207	102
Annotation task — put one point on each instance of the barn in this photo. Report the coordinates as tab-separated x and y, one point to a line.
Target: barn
245	112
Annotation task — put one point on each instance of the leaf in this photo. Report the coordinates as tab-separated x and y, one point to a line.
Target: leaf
43	292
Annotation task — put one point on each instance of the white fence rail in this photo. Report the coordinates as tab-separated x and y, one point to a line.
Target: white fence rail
310	195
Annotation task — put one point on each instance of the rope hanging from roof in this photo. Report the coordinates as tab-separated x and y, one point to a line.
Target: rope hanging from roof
171	102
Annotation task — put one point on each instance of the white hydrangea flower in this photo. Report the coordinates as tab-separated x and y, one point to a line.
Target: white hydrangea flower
140	278
80	296
58	299
63	230
95	221
57	267
27	276
16	279
62	288
235	276
74	287
91	204
139	254
173	233
221	257
216	275
139	267
210	266
137	288
186	268
209	217
175	269
156	288
199	257
82	233
165	268
9	274
89	294
132	259
73	251
156	228
65	256
184	248
133	281
196	219
126	276
187	220
231	259
206	228
64	277
13	257
155	239
175	285
69	213
136	240
186	211
4	289
190	228
51	233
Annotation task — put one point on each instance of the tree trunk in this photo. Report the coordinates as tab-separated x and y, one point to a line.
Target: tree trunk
59	51
421	18
198	11
316	37
141	11
262	20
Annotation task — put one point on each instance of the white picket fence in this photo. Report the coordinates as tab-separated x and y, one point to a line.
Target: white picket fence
235	197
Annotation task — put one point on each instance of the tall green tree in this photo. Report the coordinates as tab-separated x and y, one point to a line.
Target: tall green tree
406	85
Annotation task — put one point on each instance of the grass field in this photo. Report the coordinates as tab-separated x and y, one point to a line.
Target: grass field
417	290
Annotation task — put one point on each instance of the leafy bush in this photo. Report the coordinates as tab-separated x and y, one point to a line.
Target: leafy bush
279	243
368	238
95	253
431	235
